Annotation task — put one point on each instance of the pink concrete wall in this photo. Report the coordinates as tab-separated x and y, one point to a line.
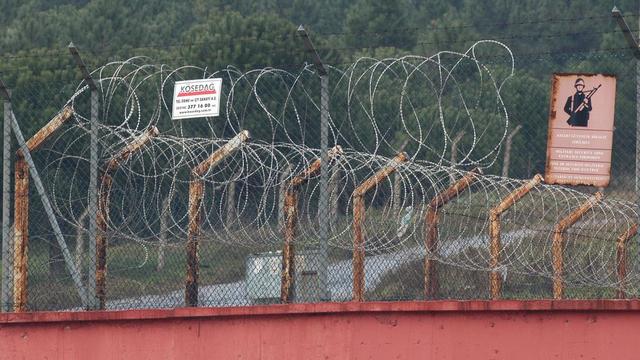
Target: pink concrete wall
408	330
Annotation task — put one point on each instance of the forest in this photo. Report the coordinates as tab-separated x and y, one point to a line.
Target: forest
545	36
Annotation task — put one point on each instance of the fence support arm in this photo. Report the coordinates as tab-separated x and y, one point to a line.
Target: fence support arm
358	220
290	210
431	232
21	211
631	39
494	231
559	235
102	215
196	193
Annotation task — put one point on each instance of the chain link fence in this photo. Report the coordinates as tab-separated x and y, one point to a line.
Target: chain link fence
157	213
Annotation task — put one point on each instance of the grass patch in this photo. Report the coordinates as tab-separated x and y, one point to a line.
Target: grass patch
407	283
131	272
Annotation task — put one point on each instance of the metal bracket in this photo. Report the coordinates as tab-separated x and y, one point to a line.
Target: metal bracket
632	41
308	45
83	68
4	92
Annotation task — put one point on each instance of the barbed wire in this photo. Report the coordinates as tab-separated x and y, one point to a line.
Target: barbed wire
380	107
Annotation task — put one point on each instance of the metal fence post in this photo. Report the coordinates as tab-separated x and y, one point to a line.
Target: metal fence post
359	210
25	153
632	42
495	213
93	173
20	235
7	237
323	201
102	214
431	220
290	210
93	197
196	193
559	237
323	204
24	168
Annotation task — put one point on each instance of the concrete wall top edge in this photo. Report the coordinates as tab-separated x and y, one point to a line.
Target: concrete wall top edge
325	308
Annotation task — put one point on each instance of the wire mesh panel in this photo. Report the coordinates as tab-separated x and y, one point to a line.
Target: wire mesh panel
431	186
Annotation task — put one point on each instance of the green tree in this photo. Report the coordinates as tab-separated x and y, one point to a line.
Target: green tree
375	23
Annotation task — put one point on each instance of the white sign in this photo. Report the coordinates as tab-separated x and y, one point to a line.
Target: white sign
196	98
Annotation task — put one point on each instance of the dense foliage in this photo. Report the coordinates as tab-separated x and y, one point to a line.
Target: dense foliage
546	36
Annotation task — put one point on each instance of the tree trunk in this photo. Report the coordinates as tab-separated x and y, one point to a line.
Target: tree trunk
231	215
454	151
507	151
397	183
164	230
80	231
334	195
56	260
281	196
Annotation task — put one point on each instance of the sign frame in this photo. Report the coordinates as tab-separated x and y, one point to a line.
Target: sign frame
580	132
196	98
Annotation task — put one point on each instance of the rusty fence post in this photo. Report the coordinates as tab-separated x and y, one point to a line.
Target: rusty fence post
431	228
494	231
20	235
621	259
358	220
196	193
102	214
559	236
290	212
21	208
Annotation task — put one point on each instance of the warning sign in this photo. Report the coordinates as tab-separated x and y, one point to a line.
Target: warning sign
196	98
581	129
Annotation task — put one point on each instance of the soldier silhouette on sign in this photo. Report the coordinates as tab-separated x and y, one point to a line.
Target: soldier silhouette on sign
578	105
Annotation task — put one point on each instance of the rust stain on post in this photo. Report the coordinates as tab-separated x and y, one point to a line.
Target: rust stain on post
101	238
559	238
103	207
494	231
220	154
358	249
125	153
196	193
430	271
621	258
21	209
288	263
290	210
358	220
43	134
431	232
21	235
